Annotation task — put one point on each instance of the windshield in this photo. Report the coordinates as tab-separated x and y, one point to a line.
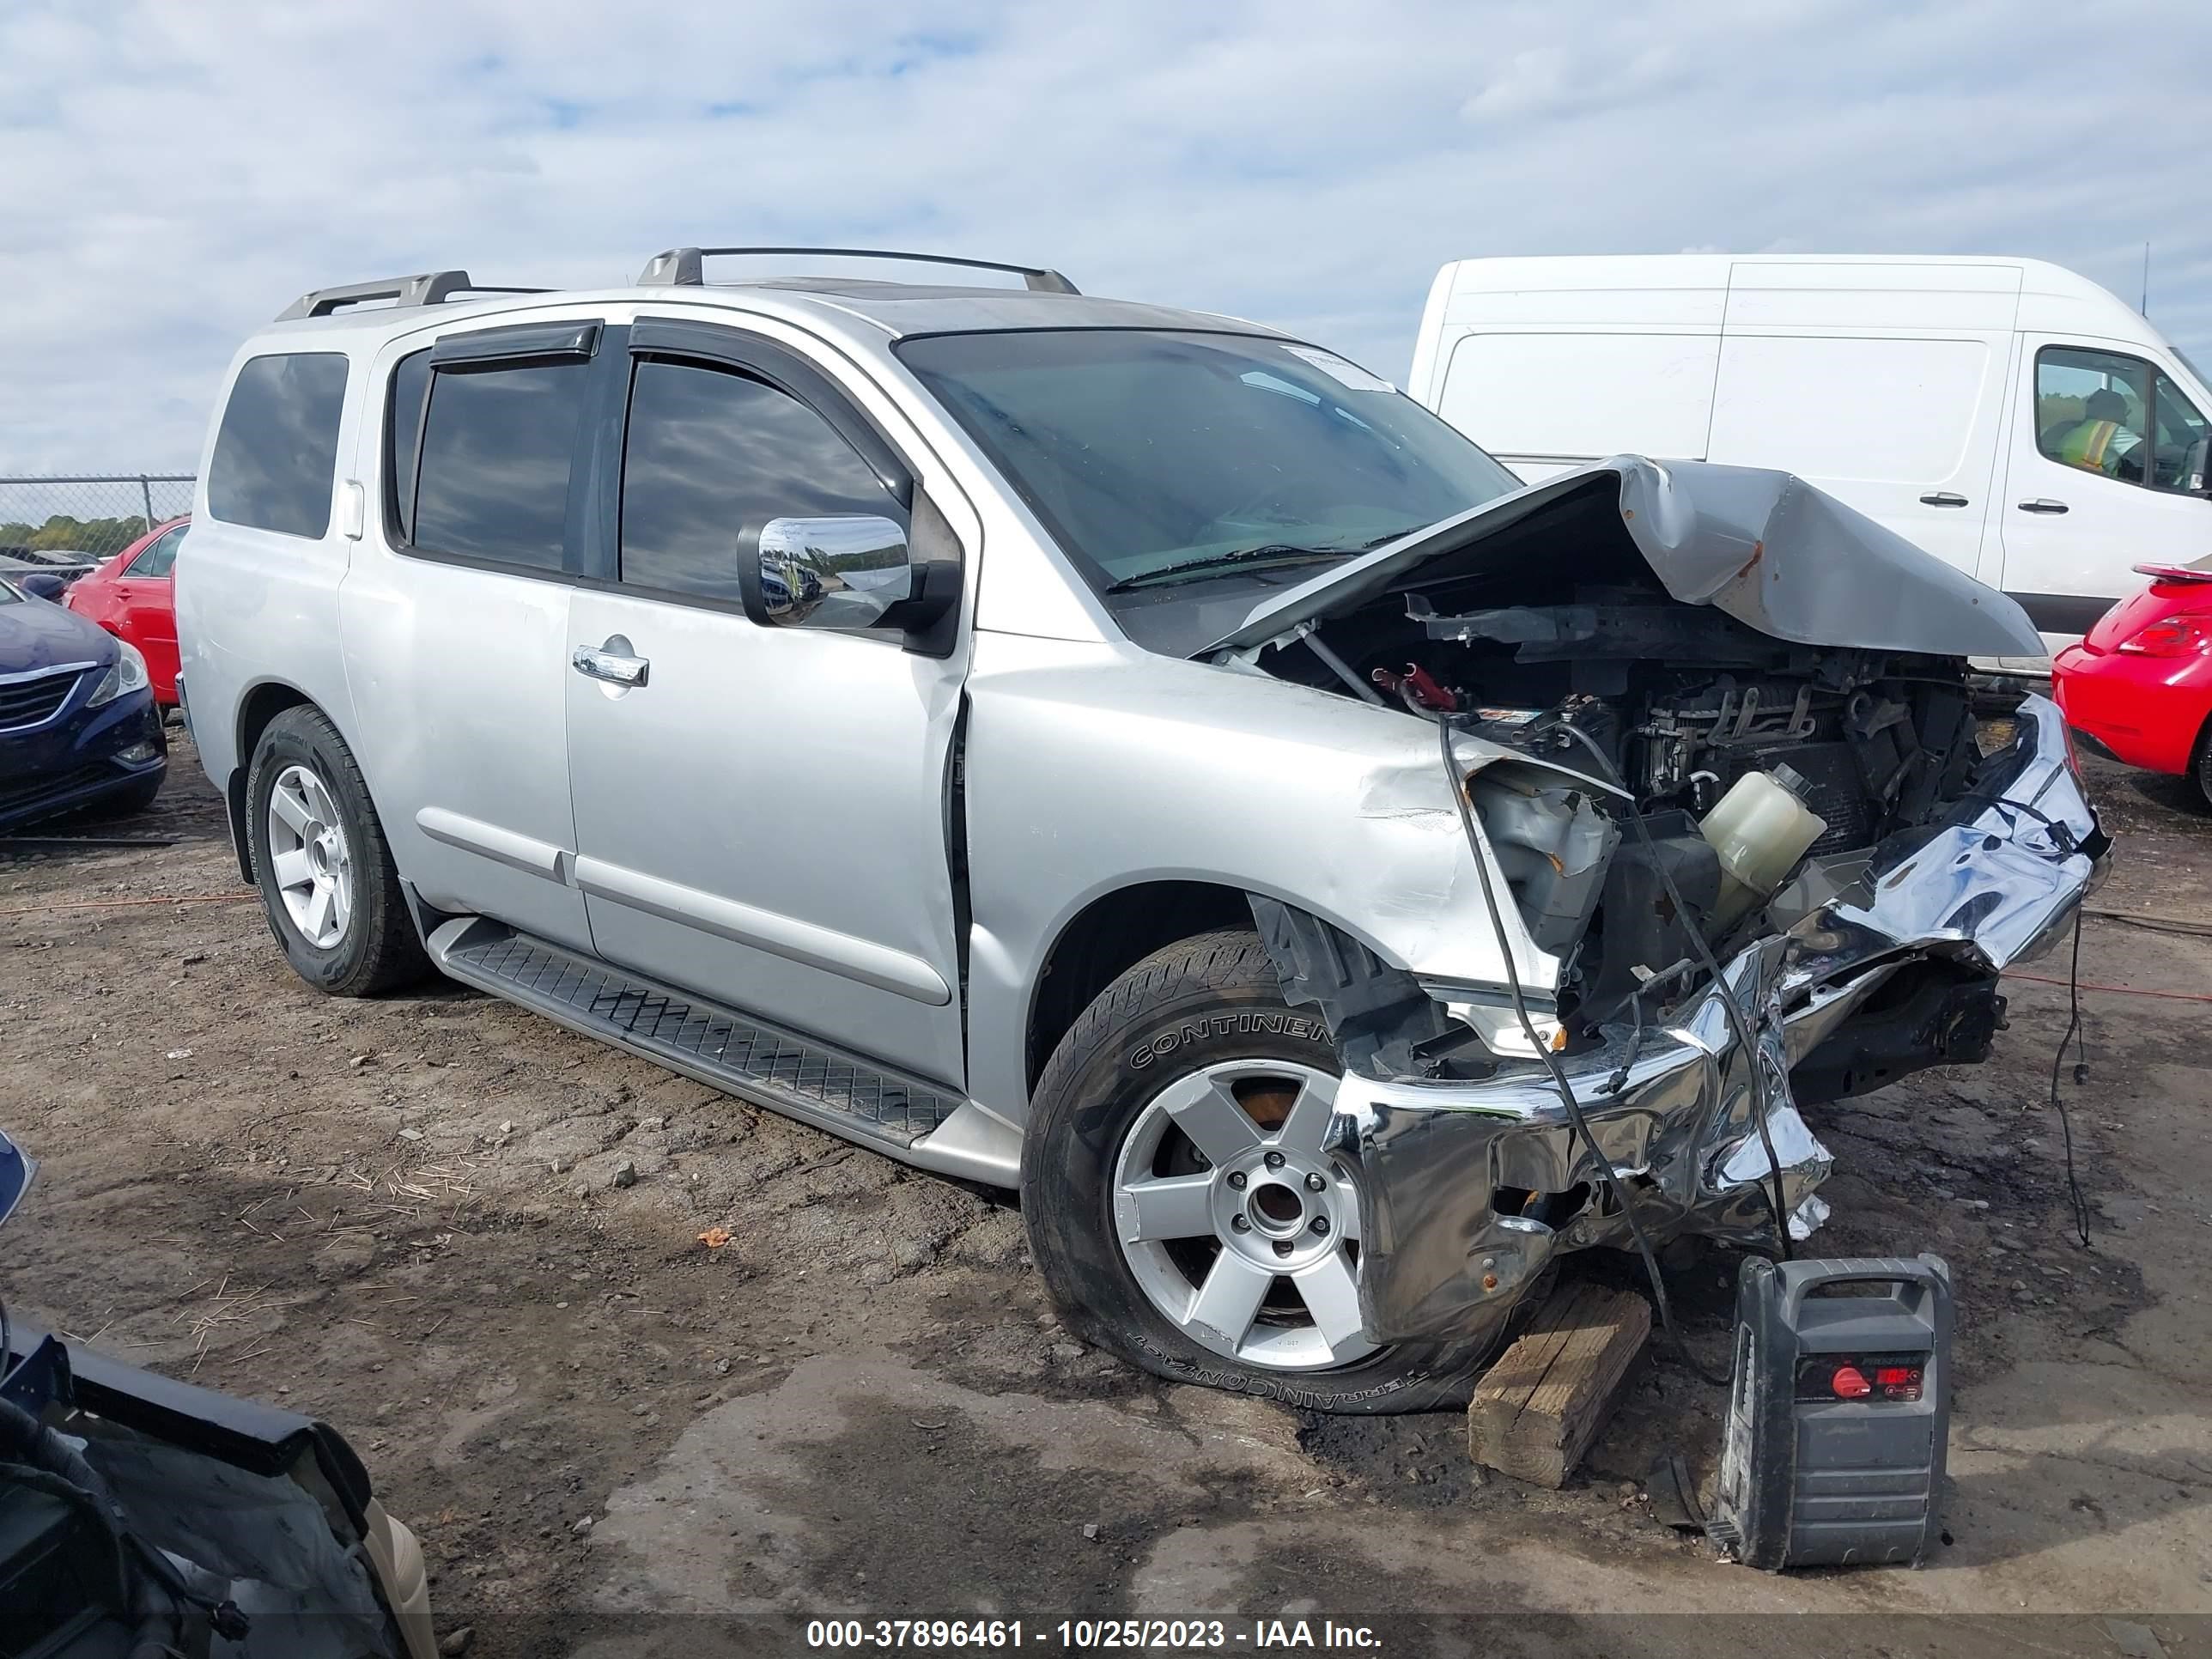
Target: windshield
10	593
1157	457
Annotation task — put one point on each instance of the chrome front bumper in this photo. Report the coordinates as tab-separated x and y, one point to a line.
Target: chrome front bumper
1993	885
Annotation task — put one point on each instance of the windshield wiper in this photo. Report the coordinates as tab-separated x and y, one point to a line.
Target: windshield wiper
1392	536
1269	553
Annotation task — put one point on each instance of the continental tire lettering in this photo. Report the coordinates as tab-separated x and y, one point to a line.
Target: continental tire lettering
1244	1024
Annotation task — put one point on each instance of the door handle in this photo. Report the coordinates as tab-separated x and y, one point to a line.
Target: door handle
611	667
1943	498
2043	504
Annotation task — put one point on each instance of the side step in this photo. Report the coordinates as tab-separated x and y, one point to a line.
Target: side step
801	1077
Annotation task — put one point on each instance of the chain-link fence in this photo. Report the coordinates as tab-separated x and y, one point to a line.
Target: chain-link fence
90	517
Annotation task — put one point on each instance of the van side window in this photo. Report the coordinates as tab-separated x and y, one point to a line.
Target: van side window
2178	447
403	439
492	479
276	453
2093	411
712	455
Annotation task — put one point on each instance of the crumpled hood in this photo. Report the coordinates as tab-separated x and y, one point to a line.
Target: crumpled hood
1765	547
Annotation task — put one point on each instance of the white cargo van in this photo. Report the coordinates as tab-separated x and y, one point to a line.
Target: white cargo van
2007	415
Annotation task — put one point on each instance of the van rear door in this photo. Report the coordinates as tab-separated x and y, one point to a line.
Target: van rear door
1882	384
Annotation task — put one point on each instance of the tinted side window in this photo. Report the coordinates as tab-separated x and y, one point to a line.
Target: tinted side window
403	438
2092	409
159	559
711	456
493	477
276	453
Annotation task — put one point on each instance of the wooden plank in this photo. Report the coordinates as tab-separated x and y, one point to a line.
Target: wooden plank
1539	1407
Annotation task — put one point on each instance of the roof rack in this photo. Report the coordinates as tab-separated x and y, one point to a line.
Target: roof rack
680	267
431	288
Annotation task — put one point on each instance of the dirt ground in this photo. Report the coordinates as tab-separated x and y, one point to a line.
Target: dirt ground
469	1240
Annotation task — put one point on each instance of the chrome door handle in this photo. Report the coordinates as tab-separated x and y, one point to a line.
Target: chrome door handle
609	665
2043	504
1943	498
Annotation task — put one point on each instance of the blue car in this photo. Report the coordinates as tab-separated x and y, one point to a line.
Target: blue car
78	726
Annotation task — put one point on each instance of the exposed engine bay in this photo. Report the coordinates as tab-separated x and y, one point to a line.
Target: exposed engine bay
1741	841
1683	704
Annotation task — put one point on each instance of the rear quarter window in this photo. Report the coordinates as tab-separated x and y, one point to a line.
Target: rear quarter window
276	453
403	439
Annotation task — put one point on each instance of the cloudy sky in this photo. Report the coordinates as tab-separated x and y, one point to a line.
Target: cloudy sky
172	172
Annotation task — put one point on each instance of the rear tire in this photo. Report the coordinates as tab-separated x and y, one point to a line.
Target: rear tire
1195	1044
2200	763
328	884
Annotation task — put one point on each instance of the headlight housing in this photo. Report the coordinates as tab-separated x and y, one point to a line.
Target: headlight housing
127	674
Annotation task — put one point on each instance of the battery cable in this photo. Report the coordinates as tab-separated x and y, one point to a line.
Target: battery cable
1737	1023
2073	1033
1566	1091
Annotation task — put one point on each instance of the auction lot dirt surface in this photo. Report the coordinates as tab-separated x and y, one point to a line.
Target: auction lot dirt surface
471	1240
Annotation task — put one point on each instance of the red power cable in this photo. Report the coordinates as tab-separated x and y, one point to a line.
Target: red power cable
2117	990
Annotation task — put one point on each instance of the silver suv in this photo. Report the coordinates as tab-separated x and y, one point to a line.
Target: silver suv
1126	754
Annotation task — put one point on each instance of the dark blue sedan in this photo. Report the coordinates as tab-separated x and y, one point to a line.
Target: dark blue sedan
78	726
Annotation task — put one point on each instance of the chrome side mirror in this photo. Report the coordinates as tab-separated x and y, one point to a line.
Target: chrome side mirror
841	570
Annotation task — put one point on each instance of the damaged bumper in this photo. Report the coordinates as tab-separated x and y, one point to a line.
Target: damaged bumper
1469	1189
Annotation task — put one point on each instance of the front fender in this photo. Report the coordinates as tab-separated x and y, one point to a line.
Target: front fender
1090	767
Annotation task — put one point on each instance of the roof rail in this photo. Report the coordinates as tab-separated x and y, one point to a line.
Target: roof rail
680	267
431	288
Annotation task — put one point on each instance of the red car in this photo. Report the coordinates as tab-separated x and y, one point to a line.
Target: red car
132	598
2139	687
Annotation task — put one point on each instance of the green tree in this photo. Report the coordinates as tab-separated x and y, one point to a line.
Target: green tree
98	537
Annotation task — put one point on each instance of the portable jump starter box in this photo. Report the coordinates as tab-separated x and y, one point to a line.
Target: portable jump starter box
1838	1411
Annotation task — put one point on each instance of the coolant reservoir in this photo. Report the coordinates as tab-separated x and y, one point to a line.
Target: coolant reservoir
1760	829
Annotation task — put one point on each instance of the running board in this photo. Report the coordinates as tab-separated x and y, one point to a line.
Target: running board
801	1077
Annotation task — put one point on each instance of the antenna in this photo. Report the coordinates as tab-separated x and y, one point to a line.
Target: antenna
2145	306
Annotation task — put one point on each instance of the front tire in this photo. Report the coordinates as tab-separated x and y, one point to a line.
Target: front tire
1184	1208
328	884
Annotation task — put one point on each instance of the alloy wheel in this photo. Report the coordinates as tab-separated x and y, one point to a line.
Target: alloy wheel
310	857
1238	1224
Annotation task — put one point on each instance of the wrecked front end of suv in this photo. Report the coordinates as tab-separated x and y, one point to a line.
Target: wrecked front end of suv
1698	718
